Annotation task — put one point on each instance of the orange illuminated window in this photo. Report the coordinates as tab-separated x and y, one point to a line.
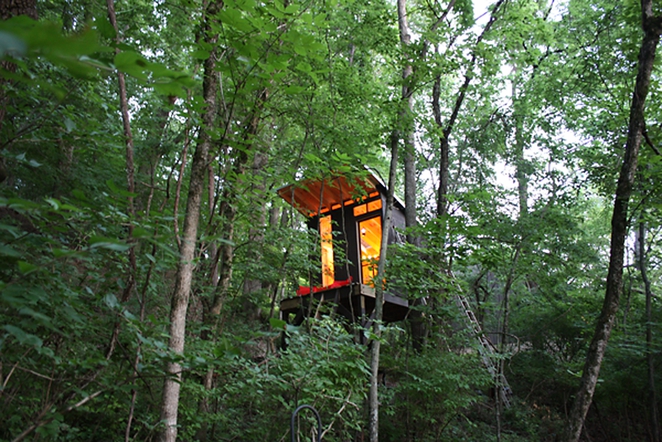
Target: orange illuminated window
327	251
370	233
368	207
360	210
374	205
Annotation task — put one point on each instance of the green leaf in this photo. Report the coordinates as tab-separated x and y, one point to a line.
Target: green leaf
55	204
291	90
111	301
23	337
63	253
131	63
278	323
36	315
292	9
292	329
9	251
304	67
118	191
200	54
140	232
169	88
233	17
312	158
108	243
69	124
104	27
26	267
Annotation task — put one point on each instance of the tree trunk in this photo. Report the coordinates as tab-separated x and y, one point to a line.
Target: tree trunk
131	188
652	26
500	374
225	252
373	399
184	277
128	141
253	284
407	125
521	173
14	8
228	209
406	122
650	360
442	192
447	129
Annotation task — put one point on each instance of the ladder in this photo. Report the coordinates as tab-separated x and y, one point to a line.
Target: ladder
485	349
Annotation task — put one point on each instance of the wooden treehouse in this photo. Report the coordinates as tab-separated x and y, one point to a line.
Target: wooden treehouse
348	215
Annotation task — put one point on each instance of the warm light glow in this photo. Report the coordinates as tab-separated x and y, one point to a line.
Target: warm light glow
368	207
360	210
327	251
374	205
371	240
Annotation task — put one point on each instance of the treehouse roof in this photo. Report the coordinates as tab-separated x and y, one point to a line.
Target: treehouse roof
312	195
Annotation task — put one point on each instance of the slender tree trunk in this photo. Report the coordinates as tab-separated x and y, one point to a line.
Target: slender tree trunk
406	117
131	188
500	374
652	27
225	252
442	192
184	277
253	283
447	129
228	205
130	283
129	163
373	399
650	360
407	125
520	163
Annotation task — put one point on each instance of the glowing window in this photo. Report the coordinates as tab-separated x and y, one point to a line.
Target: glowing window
370	234
374	205
368	207
360	210
327	251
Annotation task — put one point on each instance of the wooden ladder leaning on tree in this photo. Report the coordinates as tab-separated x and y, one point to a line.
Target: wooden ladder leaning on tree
485	349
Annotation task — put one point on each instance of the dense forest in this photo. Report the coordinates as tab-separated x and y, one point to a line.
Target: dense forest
145	251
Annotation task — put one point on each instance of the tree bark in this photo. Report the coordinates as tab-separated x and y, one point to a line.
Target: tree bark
228	209
650	360
652	27
373	399
131	188
184	277
407	126
225	252
520	163
14	8
406	122
253	284
129	164
447	129
442	191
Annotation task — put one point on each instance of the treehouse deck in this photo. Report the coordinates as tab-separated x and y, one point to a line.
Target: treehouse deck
355	302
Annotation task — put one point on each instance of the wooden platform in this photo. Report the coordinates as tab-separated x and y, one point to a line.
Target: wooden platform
355	302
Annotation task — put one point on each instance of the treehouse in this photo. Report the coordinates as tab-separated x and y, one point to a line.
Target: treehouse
347	214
